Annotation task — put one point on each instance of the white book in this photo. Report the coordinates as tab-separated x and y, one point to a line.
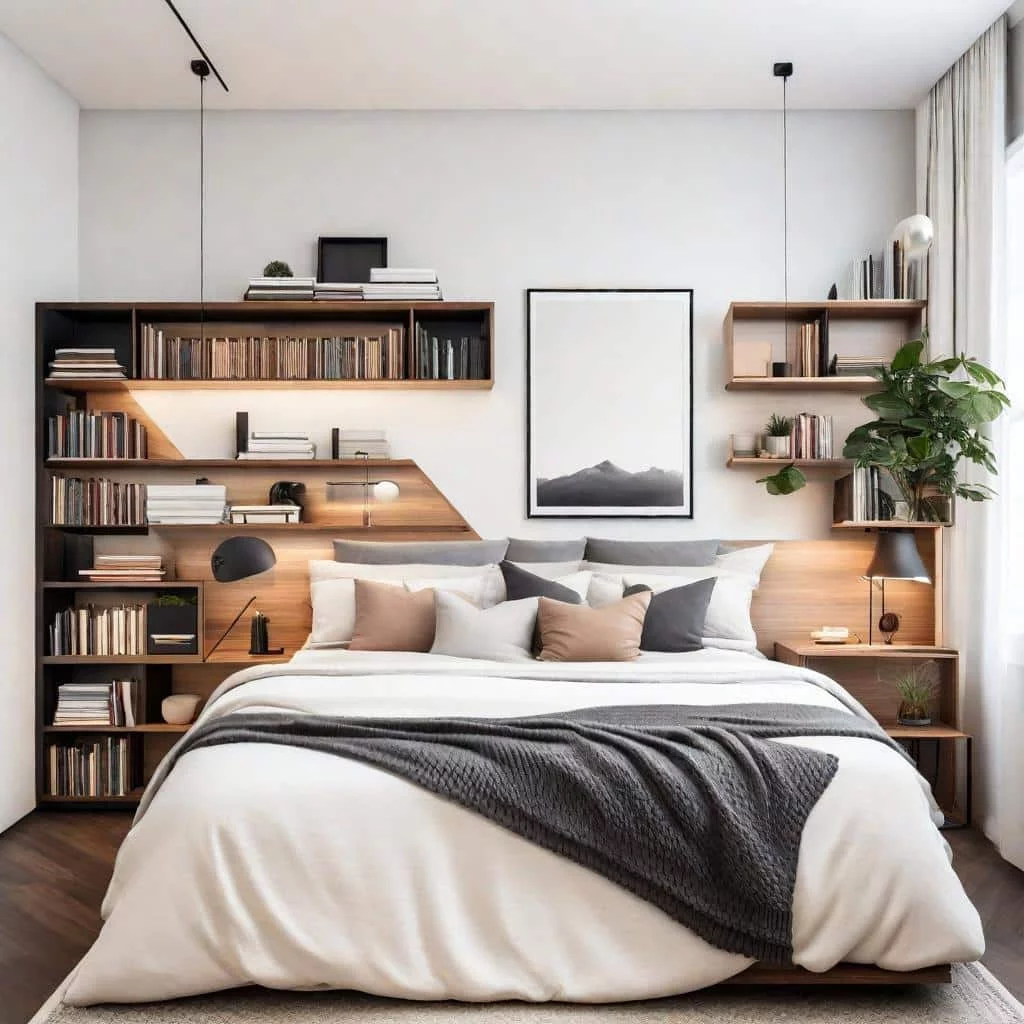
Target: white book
255	456
402	275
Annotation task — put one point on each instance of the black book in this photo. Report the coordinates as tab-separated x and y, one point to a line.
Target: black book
241	432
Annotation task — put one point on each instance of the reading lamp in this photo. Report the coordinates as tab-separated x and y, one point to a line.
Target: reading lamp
896	558
239	558
383	491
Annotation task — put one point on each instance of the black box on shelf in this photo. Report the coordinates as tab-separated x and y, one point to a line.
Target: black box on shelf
344	260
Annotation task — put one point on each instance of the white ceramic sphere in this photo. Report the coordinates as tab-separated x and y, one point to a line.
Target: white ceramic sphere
179	708
385	490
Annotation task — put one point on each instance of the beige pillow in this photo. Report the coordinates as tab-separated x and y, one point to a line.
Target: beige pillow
392	618
576	632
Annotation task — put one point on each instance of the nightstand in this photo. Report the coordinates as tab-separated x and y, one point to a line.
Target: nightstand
859	669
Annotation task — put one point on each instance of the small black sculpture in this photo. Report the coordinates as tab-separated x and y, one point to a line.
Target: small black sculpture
287	492
833	292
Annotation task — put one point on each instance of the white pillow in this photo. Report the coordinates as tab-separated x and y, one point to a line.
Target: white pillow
493	582
604	590
746	561
501	633
549	570
474	589
728	617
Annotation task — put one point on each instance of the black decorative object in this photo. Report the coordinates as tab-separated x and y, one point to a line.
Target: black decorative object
634	458
239	558
349	260
782	369
172	615
833	293
896	558
259	636
287	492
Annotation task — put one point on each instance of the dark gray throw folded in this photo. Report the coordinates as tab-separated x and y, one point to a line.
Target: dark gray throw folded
693	809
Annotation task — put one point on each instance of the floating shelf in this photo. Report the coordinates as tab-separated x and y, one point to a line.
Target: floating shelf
843	309
122	659
938	731
246	464
887	524
133	585
84	385
856	384
341	528
133	798
743	461
151	727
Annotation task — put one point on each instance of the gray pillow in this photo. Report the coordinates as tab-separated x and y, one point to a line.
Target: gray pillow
519	584
675	618
501	633
651	552
431	552
526	550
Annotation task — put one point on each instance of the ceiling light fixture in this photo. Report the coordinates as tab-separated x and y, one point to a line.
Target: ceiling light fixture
783	70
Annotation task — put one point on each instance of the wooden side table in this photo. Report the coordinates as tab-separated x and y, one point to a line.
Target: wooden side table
856	667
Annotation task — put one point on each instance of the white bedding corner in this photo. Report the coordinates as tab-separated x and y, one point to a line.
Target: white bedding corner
290	868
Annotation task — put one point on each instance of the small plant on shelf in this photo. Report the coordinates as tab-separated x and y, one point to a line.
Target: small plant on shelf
916	687
174	601
277	268
777	436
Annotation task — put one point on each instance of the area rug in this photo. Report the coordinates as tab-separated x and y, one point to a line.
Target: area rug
974	997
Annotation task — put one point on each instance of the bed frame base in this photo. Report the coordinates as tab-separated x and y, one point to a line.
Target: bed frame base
842	974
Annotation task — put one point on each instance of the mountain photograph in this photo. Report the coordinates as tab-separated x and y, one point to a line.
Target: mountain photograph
608	485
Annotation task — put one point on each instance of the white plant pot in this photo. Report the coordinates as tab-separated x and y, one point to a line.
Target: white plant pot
777	447
179	708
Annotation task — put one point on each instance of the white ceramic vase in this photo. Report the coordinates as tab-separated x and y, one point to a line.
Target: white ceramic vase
179	708
777	447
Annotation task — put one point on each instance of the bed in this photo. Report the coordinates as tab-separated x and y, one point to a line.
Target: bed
276	865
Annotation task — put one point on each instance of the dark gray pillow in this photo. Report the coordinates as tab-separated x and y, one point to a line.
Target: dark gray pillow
675	618
519	584
651	552
429	552
525	550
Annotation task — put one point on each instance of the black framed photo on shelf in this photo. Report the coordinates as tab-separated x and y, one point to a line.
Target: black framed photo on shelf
349	260
609	402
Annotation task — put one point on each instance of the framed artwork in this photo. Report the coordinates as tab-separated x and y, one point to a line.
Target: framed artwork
609	406
349	259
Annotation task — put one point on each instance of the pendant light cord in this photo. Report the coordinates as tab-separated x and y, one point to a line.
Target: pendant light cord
785	198
202	204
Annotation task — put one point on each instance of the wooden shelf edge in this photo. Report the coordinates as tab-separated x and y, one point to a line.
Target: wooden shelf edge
937	731
246	464
742	462
86	585
153	728
887	524
82	385
801	384
865	309
118	659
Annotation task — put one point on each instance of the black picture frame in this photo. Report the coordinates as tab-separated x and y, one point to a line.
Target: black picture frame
537	510
344	259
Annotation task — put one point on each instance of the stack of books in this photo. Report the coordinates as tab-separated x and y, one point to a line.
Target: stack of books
858	497
88	363
109	703
125	569
338	290
262	288
187	504
855	366
402	283
449	358
807	348
242	514
95	435
359	444
812	436
100	632
96	502
98	768
887	275
278	444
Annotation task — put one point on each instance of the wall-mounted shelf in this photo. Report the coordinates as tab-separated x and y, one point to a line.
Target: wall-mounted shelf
887	524
743	462
841	309
85	386
119	585
243	464
149	727
860	385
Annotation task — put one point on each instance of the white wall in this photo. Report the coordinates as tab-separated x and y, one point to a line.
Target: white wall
38	260
499	202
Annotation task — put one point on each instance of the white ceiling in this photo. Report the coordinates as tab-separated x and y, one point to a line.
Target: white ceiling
499	54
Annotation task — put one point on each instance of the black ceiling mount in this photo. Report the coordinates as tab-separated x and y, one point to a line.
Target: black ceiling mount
210	66
782	69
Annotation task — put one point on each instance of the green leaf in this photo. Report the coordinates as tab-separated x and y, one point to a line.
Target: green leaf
985	406
956	388
908	357
786	481
888	406
919	447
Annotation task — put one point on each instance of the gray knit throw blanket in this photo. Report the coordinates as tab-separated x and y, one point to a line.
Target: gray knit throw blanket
693	809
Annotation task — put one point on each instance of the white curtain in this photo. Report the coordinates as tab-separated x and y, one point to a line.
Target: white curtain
961	133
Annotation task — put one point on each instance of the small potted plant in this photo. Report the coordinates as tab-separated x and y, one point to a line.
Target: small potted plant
916	688
172	624
277	268
777	435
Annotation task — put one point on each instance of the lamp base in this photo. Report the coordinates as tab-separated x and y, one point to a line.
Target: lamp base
263	654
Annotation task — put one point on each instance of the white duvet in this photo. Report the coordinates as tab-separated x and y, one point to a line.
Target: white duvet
289	868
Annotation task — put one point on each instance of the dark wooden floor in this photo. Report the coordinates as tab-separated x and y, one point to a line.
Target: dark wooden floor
54	868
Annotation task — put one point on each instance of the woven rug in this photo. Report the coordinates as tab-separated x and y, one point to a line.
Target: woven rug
974	997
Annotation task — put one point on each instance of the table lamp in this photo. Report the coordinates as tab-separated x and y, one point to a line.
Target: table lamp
239	558
380	490
896	558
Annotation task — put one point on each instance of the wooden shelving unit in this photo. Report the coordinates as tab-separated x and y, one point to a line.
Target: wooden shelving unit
859	385
769	465
421	512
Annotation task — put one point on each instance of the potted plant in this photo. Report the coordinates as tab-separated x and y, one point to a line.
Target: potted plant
172	615
916	688
277	268
777	436
930	419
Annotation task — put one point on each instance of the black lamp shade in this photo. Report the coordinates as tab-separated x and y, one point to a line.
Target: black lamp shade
238	558
896	558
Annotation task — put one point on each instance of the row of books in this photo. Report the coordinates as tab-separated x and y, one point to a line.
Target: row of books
858	497
103	703
99	631
353	352
856	366
192	504
96	501
95	435
386	283
807	348
359	443
90	363
811	437
887	275
100	767
125	569
449	358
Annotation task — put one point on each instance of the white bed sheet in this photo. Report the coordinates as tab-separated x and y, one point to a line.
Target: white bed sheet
296	869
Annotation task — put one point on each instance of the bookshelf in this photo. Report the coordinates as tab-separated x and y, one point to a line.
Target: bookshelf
872	327
421	512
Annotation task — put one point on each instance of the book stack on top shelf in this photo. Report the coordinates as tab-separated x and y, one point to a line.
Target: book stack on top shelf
277	288
86	363
125	569
395	283
186	504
